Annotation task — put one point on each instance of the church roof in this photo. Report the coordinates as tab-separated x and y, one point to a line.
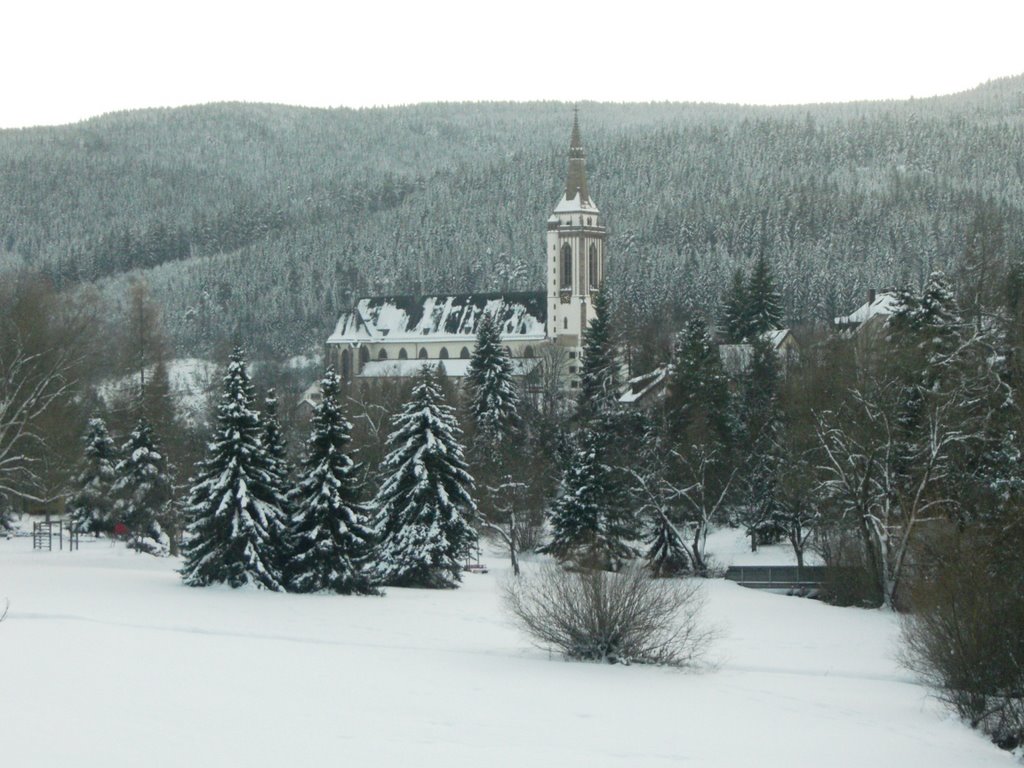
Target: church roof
453	367
416	319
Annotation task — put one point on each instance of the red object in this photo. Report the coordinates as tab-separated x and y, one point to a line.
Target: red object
120	529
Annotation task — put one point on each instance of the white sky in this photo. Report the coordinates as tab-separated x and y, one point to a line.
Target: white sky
65	61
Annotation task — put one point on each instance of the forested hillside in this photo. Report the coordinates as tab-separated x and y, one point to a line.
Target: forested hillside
262	222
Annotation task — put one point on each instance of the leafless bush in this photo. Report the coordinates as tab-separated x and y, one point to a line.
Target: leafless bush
848	580
621	618
965	639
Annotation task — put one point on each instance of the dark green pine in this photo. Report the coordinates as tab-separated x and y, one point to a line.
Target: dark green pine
331	537
235	508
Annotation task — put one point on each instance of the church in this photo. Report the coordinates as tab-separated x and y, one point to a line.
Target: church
393	336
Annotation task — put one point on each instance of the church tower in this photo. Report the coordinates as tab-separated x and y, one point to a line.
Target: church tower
575	254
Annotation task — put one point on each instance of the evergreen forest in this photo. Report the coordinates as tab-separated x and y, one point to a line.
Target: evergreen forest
258	224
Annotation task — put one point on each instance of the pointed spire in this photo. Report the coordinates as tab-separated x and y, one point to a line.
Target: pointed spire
575	142
576	183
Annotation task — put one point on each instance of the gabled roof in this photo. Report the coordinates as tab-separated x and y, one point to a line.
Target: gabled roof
884	303
413	319
645	386
776	338
736	359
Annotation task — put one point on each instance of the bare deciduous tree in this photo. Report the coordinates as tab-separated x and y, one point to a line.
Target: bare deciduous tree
886	488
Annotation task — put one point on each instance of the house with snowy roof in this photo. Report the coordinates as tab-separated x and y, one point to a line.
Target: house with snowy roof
869	317
652	387
394	336
736	358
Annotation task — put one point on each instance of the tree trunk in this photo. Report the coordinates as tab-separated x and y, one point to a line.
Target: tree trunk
512	546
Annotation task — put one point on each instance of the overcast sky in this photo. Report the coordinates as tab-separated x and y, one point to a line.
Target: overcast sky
62	62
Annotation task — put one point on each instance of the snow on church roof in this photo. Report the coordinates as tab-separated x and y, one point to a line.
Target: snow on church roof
575	205
454	367
441	318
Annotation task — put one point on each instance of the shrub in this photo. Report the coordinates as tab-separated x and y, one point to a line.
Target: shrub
848	580
621	618
965	638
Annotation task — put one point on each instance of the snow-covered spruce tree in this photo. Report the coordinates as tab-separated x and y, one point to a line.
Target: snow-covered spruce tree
494	399
143	490
330	536
91	508
237	527
493	411
592	524
764	305
425	499
599	379
274	445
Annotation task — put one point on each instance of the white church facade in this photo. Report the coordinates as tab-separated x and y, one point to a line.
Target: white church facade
393	336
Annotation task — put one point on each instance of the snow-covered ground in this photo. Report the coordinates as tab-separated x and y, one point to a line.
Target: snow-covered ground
731	546
107	660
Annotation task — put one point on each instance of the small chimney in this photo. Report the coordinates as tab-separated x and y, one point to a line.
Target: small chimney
871	295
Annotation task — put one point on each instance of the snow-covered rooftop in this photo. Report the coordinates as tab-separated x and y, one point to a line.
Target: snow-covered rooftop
442	318
576	205
640	386
455	367
776	338
884	303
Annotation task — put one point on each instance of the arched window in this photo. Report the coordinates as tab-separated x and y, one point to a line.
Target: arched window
364	355
565	323
402	354
464	354
423	353
528	352
346	364
444	353
566	267
593	268
382	355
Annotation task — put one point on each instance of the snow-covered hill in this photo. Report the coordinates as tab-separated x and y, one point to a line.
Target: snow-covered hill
109	661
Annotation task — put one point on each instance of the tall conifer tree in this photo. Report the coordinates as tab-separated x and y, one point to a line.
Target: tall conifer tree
697	404
276	448
425	500
761	424
764	305
591	520
735	312
599	379
143	490
92	506
494	400
331	537
591	523
237	524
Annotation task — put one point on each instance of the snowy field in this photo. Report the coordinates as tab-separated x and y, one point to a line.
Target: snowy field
109	661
